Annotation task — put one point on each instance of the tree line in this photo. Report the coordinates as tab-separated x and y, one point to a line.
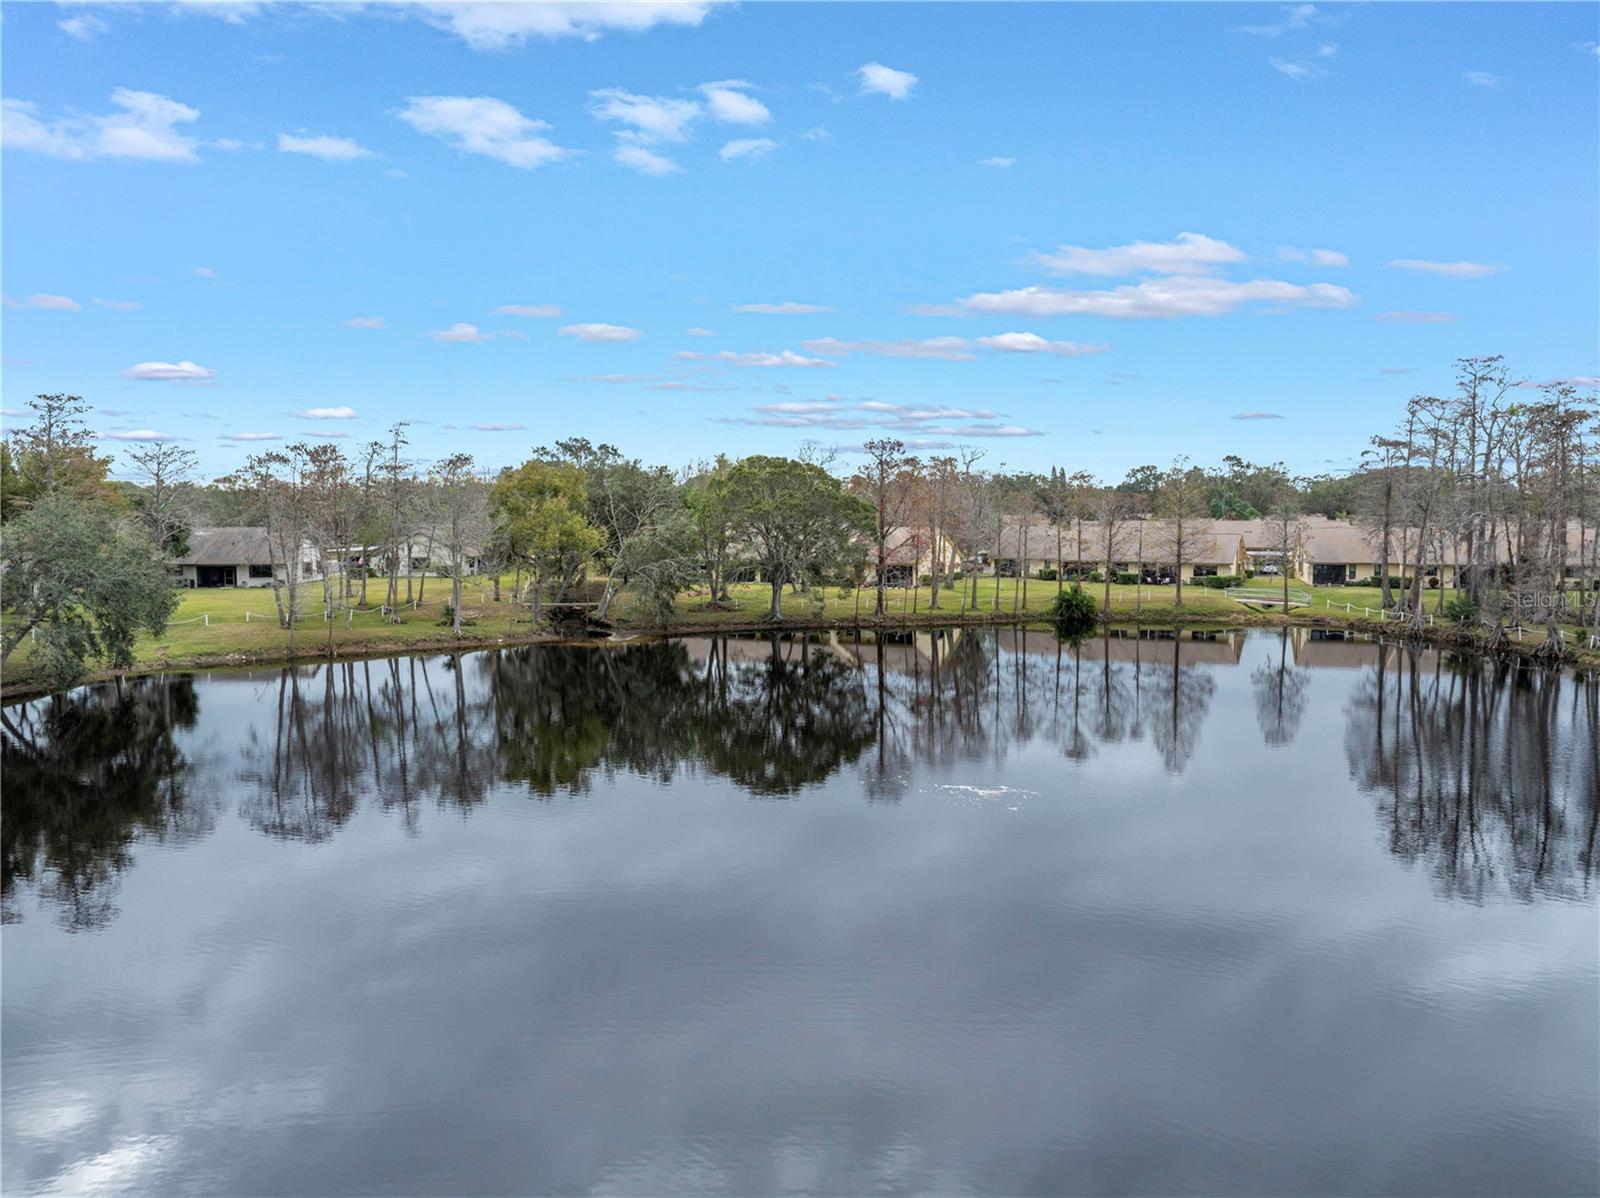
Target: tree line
1493	477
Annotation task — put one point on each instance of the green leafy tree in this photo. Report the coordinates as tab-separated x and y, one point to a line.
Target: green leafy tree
83	583
542	506
794	517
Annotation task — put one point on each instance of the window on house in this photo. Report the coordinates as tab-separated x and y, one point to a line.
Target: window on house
1350	572
260	571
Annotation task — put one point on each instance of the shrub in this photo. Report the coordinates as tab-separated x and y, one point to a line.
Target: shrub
1125	578
1217	582
1074	608
1047	573
1095	576
1460	610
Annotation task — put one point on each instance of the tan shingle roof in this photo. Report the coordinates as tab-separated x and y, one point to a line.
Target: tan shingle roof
227	547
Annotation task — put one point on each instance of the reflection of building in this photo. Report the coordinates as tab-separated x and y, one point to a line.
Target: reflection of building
237	557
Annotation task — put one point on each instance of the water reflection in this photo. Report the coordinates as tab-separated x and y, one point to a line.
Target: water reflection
1486	773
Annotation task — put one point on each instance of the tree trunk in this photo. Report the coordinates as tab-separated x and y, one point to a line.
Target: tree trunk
775	612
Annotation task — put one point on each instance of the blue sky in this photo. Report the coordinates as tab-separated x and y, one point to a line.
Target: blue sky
1080	235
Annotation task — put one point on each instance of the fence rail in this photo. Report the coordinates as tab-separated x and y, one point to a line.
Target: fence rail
1272	596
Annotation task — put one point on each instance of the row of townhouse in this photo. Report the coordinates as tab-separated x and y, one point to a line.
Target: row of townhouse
1323	552
246	557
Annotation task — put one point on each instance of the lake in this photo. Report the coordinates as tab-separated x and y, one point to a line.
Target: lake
961	912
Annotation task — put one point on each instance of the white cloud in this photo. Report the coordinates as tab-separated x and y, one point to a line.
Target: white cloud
462	333
599	331
144	129
1453	270
924	422
1289	253
1032	343
365	322
84	27
1295	16
1295	70
646	162
1002	164
542	310
817	133
46	302
699	332
204	272
1483	79
875	77
943	349
1156	299
498	428
656	118
251	437
170	372
1409	317
486	126
497	25
339	413
747	147
323	146
1188	253
729	103
920	413
787	308
137	434
117	305
785	357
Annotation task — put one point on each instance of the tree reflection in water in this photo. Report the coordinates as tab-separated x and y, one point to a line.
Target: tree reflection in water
84	778
1490	774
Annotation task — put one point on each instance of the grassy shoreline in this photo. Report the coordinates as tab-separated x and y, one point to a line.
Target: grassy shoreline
222	628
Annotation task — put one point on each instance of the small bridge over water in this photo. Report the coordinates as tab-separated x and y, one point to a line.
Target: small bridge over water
1268	597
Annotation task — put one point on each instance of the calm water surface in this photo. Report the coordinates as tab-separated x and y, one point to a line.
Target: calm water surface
965	913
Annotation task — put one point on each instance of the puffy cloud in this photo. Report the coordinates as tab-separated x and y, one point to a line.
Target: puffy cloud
923	423
462	333
1483	79
699	332
137	434
785	357
1295	16
542	310
46	302
657	118
250	437
886	81
84	27
1289	253
497	25
944	349
170	372
486	126
1159	299
204	272
117	305
1411	317
1032	343
599	331
817	133
646	161
323	146
339	413
1188	253
1294	70
747	147
999	163
729	103
1453	270
787	308
145	128
365	322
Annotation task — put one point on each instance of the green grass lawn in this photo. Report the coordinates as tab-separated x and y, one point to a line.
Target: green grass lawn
221	624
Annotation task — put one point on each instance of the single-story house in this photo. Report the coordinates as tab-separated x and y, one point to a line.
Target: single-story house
237	557
908	554
1212	551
